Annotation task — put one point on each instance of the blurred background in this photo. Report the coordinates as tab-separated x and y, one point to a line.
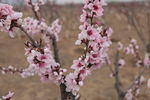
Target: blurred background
67	1
128	18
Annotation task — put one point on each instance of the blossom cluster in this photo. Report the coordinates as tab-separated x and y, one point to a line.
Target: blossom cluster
8	96
40	59
42	63
132	49
8	18
147	60
121	62
96	39
133	92
9	69
52	31
148	83
33	26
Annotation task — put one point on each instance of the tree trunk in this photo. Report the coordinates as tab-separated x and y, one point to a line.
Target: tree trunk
66	95
120	97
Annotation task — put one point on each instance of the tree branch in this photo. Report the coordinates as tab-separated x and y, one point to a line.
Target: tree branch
34	11
28	36
137	79
118	87
55	49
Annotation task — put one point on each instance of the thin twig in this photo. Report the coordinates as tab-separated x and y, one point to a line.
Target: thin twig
148	25
132	19
34	11
117	78
137	54
135	24
110	67
137	79
14	70
28	36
